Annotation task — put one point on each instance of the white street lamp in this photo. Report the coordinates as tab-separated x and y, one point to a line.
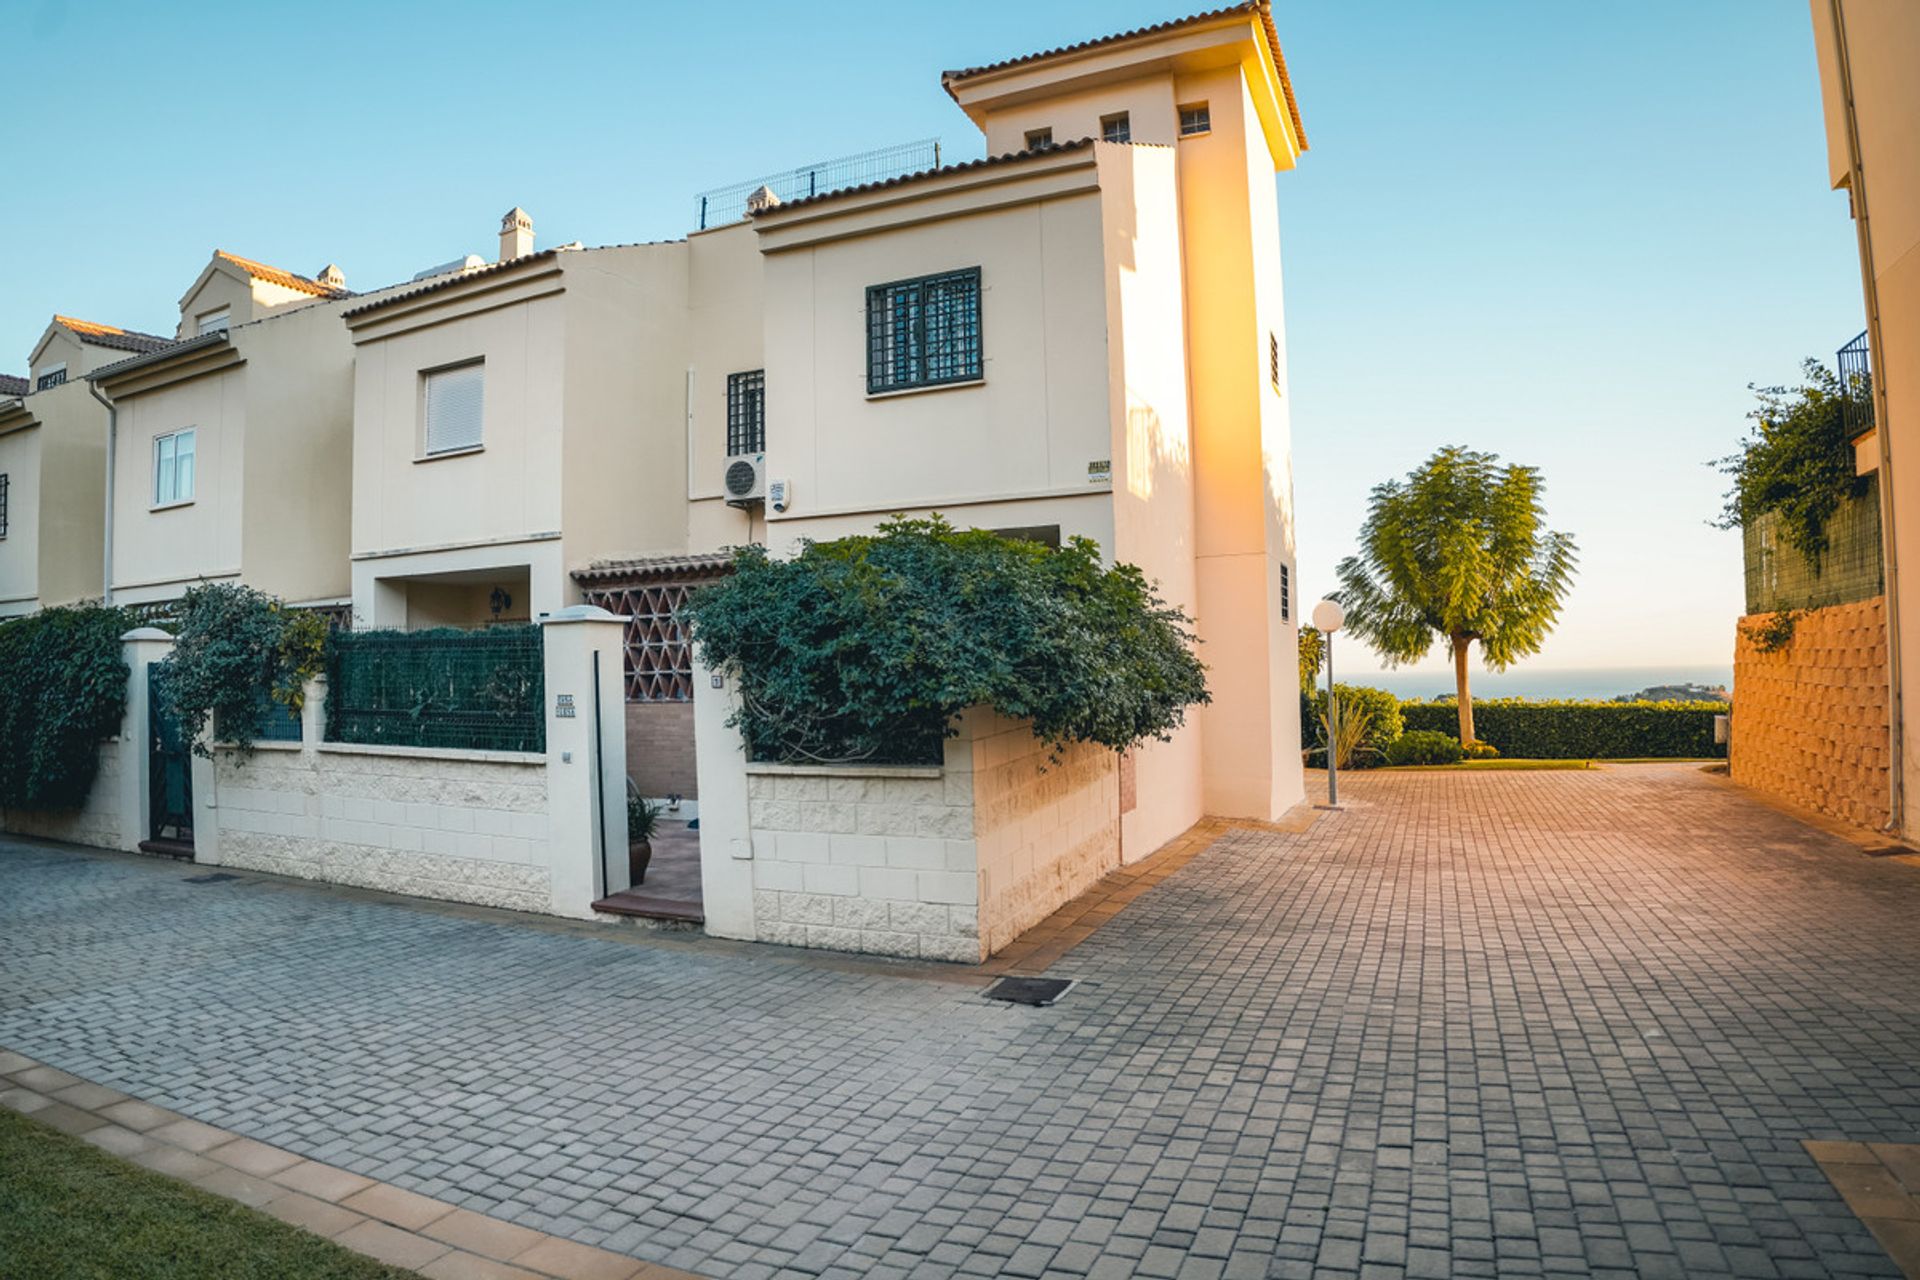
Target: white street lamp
1329	617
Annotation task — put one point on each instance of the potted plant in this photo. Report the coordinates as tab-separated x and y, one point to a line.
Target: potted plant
642	818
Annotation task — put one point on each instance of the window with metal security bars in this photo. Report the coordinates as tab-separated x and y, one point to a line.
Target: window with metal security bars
472	690
924	332
747	412
51	378
6	484
1116	128
1039	139
173	464
1286	597
455	408
1195	119
659	657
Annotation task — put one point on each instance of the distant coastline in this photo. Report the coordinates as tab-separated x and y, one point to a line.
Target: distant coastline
1569	682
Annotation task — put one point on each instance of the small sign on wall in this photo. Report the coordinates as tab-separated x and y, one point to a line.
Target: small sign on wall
563	706
1100	472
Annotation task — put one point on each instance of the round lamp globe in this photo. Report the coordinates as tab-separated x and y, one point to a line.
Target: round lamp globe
1328	616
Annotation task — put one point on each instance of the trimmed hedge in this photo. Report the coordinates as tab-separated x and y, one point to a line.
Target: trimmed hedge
1576	730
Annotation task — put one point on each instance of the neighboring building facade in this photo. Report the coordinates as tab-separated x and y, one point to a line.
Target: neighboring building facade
53	449
231	453
1867	50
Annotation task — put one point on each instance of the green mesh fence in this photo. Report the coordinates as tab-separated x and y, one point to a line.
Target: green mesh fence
1778	577
478	690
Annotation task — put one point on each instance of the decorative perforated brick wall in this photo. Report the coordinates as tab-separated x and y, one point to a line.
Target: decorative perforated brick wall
1810	720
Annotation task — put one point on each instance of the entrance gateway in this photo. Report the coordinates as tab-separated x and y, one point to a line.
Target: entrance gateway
170	772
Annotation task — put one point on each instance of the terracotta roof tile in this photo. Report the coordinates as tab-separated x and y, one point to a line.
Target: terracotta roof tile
285	279
1260	8
986	162
12	386
648	568
448	281
106	335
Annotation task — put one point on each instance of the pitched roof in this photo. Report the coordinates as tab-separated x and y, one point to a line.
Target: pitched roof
455	277
106	335
1051	149
12	386
1252	8
285	279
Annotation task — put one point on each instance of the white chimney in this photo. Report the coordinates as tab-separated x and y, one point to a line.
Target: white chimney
762	200
332	276
516	234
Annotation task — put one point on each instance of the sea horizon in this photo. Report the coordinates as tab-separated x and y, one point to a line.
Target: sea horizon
1522	682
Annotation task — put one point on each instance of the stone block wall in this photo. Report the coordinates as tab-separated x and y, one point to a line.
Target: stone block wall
462	826
95	823
947	863
1045	829
1810	720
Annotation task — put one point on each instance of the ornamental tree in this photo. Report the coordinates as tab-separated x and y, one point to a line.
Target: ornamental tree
867	647
1459	552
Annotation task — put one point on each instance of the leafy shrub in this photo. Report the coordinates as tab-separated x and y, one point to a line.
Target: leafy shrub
1313	656
1796	460
1773	632
1350	746
1479	751
643	817
866	648
1583	730
1380	709
63	688
1424	746
236	653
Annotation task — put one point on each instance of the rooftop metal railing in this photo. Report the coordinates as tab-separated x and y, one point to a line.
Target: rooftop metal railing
729	204
1856	383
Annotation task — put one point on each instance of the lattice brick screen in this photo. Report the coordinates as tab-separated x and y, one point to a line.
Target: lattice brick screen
659	665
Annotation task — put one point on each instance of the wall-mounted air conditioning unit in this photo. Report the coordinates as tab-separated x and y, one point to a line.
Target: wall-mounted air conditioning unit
745	482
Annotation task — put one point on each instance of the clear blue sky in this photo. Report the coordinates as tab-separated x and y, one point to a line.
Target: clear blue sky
1567	233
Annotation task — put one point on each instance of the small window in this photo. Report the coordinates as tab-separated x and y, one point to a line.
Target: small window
51	378
1273	358
1039	139
173	468
455	402
210	322
1286	595
924	332
747	412
1116	128
1194	119
5	485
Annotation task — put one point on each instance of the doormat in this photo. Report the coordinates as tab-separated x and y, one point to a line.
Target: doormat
1033	991
212	877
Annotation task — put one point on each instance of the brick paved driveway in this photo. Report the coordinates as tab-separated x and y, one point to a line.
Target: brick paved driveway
1559	1023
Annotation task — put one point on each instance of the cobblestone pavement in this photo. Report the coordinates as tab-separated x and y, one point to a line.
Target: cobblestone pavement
1512	1023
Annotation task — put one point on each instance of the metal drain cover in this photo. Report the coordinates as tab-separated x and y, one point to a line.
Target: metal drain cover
1034	991
212	877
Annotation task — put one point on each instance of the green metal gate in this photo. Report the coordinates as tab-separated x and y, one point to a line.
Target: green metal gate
170	804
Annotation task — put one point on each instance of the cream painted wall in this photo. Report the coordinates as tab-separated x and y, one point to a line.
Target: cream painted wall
508	489
221	285
1244	492
1148	101
1031	427
1883	44
159	553
726	295
20	549
623	439
61	348
73	485
1153	482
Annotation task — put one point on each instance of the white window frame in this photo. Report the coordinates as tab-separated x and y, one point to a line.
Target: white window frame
1121	123
1039	139
217	320
167	489
428	377
1204	119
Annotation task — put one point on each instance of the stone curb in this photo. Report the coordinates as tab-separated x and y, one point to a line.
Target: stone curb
386	1223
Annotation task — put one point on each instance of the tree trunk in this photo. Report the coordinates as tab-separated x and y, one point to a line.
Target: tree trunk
1460	644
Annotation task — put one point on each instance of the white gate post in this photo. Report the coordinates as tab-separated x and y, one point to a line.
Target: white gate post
726	834
142	647
586	807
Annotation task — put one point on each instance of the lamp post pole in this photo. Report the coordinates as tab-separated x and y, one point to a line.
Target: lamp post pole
1328	617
